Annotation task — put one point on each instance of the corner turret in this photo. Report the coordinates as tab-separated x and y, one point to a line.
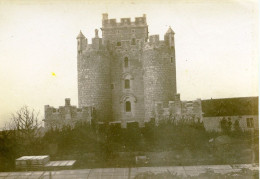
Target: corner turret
169	37
82	42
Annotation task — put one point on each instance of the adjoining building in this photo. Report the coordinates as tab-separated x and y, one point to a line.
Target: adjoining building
244	110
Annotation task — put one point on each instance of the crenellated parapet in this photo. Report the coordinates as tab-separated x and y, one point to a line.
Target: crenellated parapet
112	23
155	42
67	115
96	45
125	33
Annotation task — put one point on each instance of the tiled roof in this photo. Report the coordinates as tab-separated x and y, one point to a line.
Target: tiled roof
230	107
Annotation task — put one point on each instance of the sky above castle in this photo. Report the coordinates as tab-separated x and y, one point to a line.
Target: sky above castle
216	47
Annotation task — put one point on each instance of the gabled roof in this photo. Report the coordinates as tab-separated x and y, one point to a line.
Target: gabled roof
80	35
230	106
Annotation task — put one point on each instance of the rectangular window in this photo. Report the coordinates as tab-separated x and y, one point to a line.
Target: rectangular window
112	86
128	106
171	59
250	122
126	62
127	84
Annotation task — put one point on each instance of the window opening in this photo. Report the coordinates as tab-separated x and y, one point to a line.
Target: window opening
126	62
128	106
127	84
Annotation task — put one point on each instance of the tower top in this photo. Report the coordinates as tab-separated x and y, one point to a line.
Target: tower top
170	31
112	23
80	35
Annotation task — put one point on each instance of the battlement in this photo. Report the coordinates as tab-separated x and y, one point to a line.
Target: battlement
96	44
112	23
66	115
154	42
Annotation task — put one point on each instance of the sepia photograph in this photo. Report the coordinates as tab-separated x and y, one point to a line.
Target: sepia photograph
129	89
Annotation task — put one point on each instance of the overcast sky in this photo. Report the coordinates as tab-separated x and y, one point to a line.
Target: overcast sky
216	47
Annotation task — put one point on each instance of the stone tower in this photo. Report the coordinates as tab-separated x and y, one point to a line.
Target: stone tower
124	73
94	76
159	72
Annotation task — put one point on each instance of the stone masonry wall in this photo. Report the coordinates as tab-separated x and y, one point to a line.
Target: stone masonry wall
179	110
65	115
131	36
159	76
135	93
94	82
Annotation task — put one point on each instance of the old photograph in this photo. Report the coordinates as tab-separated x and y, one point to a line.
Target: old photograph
129	89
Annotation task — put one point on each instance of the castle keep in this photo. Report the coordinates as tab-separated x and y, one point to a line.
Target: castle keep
128	76
126	72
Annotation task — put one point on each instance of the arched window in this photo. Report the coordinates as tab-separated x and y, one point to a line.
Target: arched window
127	84
126	62
128	106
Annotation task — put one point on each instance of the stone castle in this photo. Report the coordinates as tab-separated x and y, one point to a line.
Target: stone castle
124	73
127	76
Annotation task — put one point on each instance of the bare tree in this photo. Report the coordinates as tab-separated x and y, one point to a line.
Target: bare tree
25	123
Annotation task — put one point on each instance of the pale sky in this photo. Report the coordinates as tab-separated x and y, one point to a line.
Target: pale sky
216	47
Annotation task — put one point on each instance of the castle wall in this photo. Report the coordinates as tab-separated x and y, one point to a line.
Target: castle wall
120	94
159	75
65	116
189	111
